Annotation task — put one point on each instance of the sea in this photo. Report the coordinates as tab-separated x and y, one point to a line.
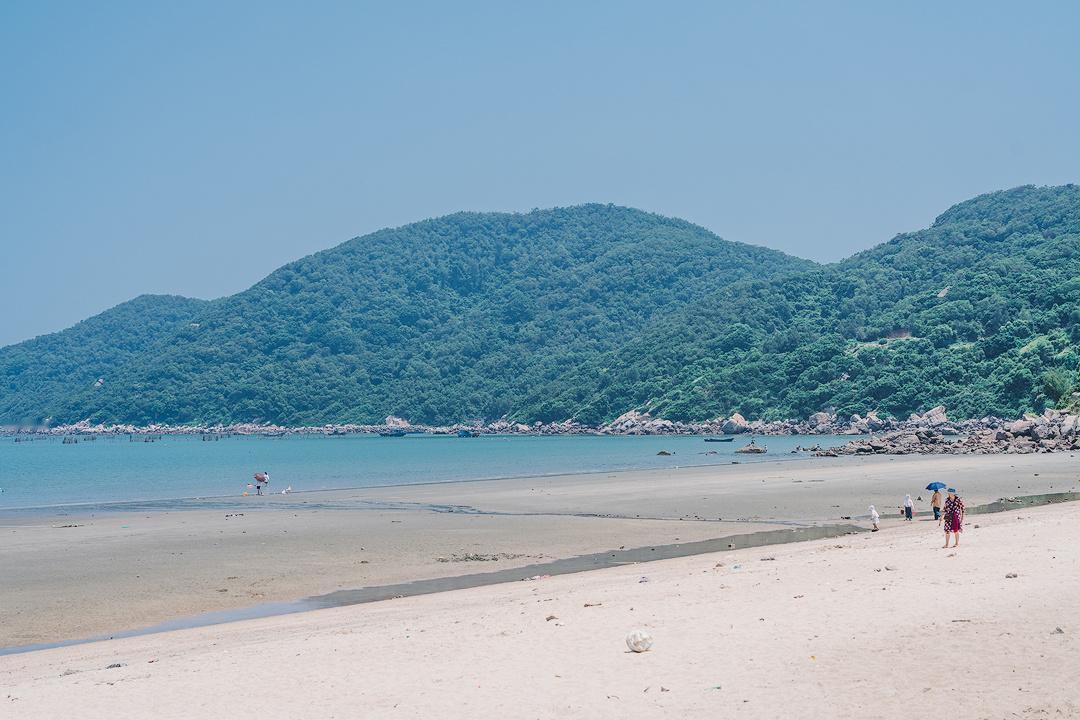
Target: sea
45	472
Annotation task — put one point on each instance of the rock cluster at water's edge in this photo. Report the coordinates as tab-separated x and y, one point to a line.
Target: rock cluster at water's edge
1053	431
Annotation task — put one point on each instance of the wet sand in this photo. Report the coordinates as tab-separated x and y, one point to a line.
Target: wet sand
807	490
94	571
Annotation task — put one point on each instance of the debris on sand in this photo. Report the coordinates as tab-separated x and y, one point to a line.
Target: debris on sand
639	641
478	557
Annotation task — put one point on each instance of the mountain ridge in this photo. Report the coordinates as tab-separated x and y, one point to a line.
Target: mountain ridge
457	300
589	311
1013	258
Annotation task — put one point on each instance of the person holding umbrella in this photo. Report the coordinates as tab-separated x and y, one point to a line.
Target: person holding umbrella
954	517
936	500
261	478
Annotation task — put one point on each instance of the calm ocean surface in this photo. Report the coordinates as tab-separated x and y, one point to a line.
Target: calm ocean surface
45	472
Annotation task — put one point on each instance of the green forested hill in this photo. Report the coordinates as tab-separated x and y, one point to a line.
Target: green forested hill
42	374
587	312
447	319
980	312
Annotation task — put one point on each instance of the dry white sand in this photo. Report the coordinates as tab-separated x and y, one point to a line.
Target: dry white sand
814	630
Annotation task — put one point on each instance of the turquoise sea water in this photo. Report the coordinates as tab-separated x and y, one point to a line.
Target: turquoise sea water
46	472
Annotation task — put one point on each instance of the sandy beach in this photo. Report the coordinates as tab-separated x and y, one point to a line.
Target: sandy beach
80	574
882	625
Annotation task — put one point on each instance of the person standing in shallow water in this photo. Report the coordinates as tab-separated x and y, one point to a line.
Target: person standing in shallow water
954	517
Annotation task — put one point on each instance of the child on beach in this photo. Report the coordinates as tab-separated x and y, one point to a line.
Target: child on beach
874	518
909	507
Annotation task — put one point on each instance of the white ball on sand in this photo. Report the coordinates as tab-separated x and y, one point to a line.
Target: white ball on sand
639	641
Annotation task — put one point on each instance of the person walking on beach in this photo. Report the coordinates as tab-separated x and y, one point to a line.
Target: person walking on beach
936	502
875	518
954	517
261	478
909	507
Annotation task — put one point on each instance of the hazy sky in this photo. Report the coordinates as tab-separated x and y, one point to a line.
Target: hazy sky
193	147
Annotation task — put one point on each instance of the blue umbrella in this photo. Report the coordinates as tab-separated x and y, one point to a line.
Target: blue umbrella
935	486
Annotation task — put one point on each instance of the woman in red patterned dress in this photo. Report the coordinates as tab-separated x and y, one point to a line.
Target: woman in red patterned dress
954	517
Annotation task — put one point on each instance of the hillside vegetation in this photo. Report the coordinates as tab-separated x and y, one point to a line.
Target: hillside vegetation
447	319
980	312
42	374
588	312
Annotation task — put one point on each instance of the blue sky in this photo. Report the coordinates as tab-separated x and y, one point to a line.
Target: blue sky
193	147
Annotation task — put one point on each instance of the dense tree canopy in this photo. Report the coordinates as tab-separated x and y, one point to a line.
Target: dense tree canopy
587	312
980	312
38	375
446	319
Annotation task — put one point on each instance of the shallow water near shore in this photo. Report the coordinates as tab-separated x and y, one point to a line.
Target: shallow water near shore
42	472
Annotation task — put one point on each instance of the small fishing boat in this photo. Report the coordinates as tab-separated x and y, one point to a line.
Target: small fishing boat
730	439
393	432
468	433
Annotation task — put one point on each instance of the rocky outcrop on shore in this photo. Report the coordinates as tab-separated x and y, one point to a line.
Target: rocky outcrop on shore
500	427
1053	431
821	423
929	432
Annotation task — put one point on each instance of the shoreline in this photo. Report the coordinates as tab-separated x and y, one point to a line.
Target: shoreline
565	566
632	422
62	577
932	433
733	636
806	454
